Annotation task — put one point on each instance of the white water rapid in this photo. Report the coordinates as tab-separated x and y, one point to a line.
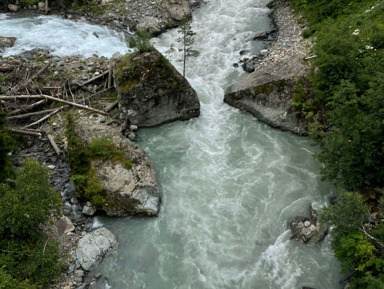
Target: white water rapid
229	183
61	37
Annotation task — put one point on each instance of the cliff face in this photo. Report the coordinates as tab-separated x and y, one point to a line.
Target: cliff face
268	94
152	92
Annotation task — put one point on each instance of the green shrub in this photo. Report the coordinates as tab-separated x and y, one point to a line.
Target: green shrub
27	258
128	164
360	255
30	204
141	41
6	146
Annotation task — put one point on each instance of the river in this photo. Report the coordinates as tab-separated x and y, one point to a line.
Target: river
229	183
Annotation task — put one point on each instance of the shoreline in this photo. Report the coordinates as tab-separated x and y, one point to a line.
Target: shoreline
286	33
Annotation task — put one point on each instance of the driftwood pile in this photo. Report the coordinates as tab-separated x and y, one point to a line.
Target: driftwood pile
28	103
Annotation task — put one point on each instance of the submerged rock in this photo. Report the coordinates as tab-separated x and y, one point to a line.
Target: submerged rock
130	188
152	92
93	247
268	94
307	230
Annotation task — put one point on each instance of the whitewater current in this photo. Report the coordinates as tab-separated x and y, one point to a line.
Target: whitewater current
229	184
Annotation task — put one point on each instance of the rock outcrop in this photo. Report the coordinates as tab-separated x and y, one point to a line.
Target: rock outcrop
93	247
128	190
268	94
307	230
151	91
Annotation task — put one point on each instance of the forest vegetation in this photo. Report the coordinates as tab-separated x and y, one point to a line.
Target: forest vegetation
348	82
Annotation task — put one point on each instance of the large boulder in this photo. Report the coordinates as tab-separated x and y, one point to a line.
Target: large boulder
6	42
151	91
268	94
93	247
174	11
128	190
151	24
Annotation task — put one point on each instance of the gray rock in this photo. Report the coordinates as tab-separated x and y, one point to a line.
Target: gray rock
41	6
174	11
13	7
6	42
93	247
302	230
89	209
128	190
308	233
64	225
79	273
152	92
151	24
268	94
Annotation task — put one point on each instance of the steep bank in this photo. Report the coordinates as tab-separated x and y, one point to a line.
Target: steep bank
268	93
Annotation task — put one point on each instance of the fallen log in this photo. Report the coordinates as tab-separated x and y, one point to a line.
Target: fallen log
4	97
29	107
111	106
94	78
45	117
54	145
25	132
30	114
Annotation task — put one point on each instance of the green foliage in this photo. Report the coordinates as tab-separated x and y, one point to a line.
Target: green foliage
300	100
27	258
128	164
6	146
349	212
319	10
29	205
357	253
348	84
353	148
28	2
79	157
31	261
87	183
141	41
8	282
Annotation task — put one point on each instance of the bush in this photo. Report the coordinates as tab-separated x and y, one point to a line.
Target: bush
28	205
6	146
28	259
141	41
359	255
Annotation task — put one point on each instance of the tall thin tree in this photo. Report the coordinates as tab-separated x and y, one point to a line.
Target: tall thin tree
187	39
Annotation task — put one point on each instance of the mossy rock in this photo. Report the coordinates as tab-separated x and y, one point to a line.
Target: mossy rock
151	91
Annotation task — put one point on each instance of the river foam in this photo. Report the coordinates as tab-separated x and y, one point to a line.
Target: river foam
61	37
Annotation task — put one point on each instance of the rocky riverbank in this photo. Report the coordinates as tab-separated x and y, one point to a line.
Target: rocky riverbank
280	74
154	15
87	81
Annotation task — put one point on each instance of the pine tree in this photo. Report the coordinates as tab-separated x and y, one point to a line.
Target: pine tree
187	39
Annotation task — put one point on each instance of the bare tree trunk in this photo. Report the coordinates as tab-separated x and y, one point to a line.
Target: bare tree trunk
51	98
